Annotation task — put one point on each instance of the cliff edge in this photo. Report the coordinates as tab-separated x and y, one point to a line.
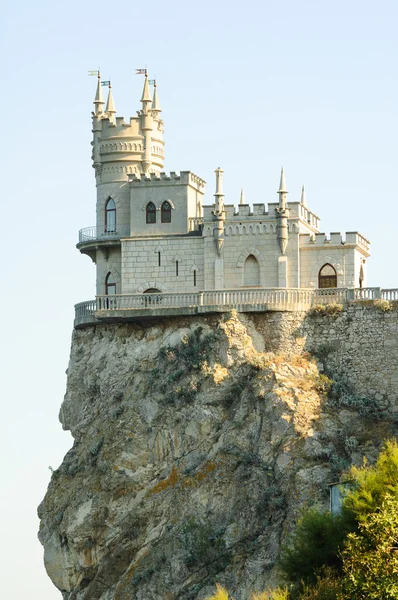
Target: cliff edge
197	443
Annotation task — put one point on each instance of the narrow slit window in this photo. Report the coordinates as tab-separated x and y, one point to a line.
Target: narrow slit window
194	278
177	268
159	260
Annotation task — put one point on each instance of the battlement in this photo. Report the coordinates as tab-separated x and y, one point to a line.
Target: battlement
336	239
171	179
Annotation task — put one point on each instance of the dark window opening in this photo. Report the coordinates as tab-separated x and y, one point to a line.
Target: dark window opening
177	268
194	278
151	213
165	212
159	260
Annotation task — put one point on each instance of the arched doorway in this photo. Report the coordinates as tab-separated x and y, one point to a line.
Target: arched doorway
251	271
327	277
150	300
110	285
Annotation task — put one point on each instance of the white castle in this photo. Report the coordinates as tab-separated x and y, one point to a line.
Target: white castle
154	234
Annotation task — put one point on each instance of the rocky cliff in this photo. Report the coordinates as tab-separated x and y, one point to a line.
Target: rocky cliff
197	443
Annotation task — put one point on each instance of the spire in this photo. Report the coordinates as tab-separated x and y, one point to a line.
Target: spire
282	191
155	102
99	102
110	105
282	185
303	198
146	92
242	197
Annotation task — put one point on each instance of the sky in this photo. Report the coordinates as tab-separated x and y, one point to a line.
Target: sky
247	86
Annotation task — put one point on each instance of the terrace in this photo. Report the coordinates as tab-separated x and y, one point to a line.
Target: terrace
130	307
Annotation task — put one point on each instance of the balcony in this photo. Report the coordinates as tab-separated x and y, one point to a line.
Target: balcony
98	234
116	308
92	237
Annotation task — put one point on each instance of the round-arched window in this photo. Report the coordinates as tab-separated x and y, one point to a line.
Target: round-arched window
150	213
165	213
110	216
327	277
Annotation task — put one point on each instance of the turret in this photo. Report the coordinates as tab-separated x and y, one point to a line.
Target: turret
282	214
110	110
123	148
218	212
146	125
156	109
98	101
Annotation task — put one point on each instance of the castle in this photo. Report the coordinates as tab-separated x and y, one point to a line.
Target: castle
154	235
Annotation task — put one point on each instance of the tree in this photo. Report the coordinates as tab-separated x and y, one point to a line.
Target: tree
370	557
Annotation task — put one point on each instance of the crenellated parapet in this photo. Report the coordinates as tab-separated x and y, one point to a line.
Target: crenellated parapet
349	239
168	179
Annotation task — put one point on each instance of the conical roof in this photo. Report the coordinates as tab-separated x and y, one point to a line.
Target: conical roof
155	102
110	105
282	184
146	92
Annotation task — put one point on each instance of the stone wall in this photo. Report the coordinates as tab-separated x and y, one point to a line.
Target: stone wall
358	345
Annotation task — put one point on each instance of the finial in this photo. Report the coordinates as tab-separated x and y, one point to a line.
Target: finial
155	102
110	105
99	102
303	198
242	197
282	184
146	92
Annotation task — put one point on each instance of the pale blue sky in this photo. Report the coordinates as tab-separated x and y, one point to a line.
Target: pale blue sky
247	86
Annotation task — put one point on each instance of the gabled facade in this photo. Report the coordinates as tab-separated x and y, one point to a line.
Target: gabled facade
155	234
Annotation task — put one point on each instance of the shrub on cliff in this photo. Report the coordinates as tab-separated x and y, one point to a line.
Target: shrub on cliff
352	556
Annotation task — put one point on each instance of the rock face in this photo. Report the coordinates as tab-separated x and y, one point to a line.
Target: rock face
195	449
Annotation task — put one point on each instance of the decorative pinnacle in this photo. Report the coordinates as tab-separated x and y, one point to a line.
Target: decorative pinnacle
99	102
242	197
146	92
219	173
155	102
303	197
282	184
110	105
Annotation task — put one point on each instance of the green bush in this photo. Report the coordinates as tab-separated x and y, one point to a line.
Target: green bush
317	541
372	484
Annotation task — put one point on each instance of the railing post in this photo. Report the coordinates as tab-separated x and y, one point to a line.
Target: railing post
377	292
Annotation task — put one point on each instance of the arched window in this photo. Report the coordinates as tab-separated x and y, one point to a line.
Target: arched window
150	213
110	285
110	215
165	213
251	271
327	277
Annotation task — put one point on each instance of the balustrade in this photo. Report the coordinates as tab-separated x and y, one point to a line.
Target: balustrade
270	299
92	234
